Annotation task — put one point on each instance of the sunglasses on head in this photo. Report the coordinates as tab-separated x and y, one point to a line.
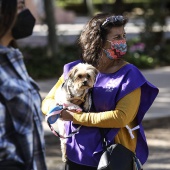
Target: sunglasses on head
116	20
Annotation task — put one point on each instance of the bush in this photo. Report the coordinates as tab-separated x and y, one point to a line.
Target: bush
142	61
40	66
137	55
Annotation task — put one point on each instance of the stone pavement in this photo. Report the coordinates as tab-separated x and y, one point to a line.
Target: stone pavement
156	123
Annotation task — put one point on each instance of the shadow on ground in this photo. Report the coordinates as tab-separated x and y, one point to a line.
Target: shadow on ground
158	137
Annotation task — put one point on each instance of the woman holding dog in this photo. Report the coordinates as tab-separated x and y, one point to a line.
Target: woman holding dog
21	133
121	96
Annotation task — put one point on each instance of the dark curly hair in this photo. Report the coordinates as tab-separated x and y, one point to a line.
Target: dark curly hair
93	37
8	10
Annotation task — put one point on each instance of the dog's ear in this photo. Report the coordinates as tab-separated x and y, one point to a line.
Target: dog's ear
95	71
72	72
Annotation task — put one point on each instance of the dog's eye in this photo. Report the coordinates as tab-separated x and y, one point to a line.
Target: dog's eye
88	76
80	76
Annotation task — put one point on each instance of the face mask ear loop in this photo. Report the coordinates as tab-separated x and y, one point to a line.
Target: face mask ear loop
101	57
103	52
110	43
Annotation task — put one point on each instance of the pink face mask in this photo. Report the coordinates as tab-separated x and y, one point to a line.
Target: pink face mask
117	50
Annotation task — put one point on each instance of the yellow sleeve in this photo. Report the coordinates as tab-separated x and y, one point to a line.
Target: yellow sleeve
124	113
49	101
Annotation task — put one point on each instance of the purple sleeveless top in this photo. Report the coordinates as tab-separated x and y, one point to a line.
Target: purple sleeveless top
85	147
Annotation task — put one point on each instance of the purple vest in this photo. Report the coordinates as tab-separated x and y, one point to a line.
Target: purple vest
85	147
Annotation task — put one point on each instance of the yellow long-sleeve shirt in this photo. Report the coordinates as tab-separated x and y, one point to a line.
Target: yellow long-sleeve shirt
124	114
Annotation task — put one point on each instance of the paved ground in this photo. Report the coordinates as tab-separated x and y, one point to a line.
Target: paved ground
158	140
156	123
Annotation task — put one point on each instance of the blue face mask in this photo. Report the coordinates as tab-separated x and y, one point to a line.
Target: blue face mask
117	50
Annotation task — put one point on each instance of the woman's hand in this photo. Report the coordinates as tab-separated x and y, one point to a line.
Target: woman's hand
67	115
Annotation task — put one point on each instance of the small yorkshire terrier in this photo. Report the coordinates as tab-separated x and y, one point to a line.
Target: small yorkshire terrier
74	94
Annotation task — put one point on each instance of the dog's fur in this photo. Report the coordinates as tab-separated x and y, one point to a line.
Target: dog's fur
74	94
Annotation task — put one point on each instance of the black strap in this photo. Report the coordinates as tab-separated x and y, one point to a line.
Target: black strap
104	141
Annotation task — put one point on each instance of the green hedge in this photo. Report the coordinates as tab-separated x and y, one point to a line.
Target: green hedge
40	66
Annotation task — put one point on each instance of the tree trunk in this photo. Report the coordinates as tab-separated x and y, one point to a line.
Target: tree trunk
90	7
51	23
118	7
105	7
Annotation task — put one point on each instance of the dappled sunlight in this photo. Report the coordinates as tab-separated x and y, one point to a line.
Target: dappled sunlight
159	146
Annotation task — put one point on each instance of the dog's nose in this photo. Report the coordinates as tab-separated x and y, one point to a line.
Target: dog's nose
84	83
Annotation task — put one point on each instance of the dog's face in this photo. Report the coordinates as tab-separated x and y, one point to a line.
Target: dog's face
83	76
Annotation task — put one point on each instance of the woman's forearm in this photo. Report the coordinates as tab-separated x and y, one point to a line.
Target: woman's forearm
124	113
49	101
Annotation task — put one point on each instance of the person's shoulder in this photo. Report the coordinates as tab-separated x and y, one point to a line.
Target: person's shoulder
132	68
133	72
68	66
73	63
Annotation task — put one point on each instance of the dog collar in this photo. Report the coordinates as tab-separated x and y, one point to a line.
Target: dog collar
81	98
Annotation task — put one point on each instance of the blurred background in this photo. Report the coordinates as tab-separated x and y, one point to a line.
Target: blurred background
59	23
55	42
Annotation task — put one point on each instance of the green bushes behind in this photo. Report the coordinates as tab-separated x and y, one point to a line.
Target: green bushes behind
40	66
